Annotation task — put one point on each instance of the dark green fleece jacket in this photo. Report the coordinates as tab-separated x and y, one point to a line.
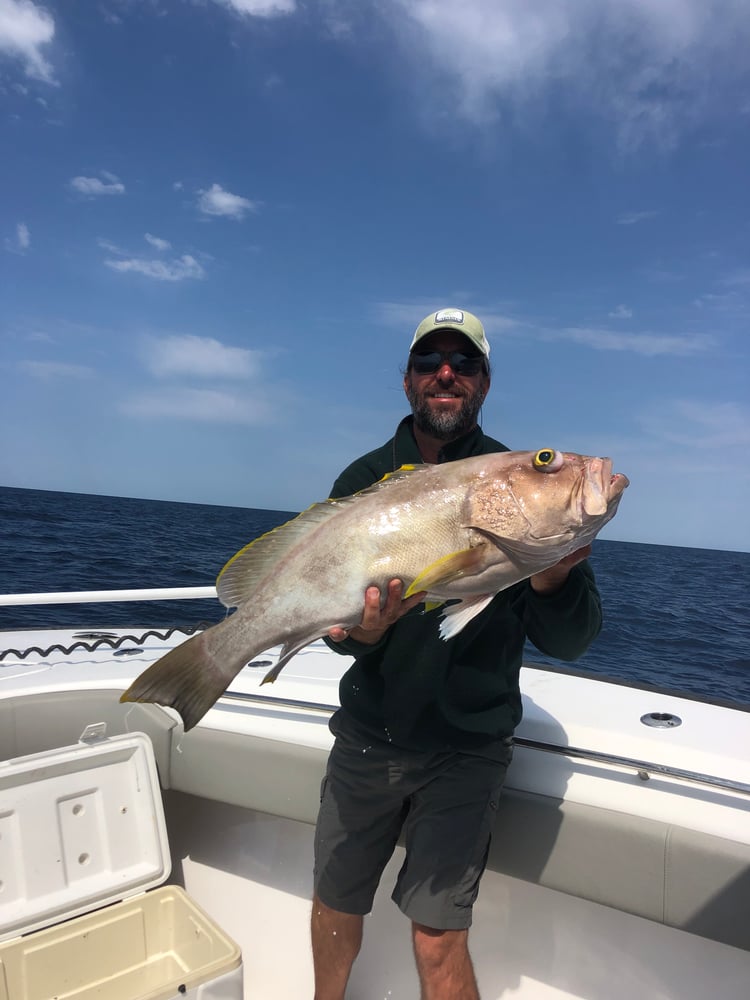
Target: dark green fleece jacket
425	693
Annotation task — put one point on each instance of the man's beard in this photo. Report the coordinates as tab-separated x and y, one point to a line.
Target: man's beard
448	425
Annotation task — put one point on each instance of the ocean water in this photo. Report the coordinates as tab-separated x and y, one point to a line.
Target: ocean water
675	618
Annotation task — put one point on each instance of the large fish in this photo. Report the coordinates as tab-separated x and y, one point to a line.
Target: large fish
463	530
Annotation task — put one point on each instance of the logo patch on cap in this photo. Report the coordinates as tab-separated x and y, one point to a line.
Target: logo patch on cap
449	316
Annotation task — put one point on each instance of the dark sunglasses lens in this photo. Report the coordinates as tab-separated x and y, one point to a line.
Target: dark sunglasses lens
468	366
428	364
425	364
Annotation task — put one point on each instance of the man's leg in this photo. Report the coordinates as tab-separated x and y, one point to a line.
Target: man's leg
361	813
336	940
447	835
444	964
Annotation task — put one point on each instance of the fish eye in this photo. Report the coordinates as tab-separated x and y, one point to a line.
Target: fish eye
548	460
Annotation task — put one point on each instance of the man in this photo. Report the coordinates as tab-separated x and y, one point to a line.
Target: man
424	732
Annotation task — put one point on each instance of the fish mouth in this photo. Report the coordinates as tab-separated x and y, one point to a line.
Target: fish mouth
617	484
602	488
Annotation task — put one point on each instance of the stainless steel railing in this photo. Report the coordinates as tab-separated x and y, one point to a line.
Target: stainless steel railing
644	769
108	596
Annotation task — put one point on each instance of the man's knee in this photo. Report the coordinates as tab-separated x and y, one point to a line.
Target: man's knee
436	945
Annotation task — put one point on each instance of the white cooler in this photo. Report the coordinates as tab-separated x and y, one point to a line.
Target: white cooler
82	840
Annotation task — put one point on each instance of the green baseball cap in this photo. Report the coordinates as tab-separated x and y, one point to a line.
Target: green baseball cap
453	319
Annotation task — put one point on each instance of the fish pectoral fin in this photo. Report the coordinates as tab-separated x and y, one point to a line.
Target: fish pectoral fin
465	562
457	616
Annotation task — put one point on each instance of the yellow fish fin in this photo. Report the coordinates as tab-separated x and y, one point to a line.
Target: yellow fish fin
402	468
237	581
399	473
247	569
447	568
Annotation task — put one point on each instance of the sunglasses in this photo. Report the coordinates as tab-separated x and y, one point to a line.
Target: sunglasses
427	363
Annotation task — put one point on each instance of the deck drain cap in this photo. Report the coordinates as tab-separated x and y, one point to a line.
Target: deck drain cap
661	720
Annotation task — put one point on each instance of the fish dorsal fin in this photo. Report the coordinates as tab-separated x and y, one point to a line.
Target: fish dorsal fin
403	472
246	569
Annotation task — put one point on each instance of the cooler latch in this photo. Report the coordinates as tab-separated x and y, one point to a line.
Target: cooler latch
94	733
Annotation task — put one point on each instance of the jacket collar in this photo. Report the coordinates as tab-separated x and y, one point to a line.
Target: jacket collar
406	452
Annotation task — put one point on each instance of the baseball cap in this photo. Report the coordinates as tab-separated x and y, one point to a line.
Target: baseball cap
453	319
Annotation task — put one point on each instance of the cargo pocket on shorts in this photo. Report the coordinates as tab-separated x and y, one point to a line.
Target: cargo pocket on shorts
467	889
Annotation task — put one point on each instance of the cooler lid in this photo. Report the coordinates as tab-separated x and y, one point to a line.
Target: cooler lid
80	827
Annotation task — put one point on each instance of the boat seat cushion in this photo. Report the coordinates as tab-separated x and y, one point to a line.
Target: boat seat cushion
684	878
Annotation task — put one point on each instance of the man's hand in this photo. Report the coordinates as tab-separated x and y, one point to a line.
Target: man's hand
376	620
552	579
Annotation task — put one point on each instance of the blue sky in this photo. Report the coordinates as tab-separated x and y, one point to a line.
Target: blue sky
221	222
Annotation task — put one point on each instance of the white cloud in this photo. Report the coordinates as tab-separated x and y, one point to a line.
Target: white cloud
54	369
700	424
632	218
739	278
648	344
217	201
405	317
22	241
621	312
201	356
174	270
25	29
401	315
732	302
260	8
92	186
157	243
650	69
201	405
111	247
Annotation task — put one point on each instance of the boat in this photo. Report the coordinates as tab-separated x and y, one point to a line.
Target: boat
620	864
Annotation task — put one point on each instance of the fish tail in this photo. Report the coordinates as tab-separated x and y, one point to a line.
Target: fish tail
187	678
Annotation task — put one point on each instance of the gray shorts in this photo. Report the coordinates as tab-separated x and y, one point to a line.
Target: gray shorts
445	804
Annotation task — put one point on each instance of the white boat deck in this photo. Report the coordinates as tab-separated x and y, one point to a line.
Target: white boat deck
251	870
527	942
